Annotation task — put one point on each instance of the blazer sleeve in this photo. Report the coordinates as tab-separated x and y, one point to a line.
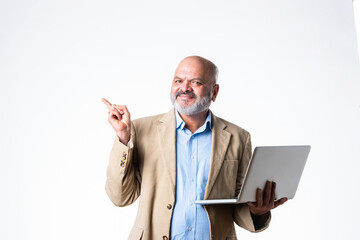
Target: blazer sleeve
123	176
241	212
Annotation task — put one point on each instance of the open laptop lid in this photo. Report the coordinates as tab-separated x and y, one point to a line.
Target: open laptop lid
281	164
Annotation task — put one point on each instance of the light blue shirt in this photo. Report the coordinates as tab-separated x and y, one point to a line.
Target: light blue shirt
193	152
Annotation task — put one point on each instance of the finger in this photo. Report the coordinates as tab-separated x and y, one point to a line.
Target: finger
279	202
125	116
267	193
273	190
122	108
114	114
107	103
118	108
259	197
125	112
115	109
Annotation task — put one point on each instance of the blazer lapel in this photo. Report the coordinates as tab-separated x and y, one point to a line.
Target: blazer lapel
167	138
220	142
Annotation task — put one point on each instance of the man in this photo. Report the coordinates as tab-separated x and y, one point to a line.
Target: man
187	154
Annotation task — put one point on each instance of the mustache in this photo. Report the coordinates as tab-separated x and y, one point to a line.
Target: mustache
191	94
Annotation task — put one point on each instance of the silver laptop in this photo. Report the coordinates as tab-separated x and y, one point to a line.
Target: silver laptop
281	164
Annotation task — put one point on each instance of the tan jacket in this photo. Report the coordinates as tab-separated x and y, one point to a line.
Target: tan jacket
147	168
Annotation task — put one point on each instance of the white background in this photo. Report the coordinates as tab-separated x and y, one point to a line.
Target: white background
289	74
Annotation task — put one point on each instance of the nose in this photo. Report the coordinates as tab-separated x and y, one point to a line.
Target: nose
185	86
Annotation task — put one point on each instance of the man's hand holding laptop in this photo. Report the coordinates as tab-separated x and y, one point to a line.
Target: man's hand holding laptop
265	202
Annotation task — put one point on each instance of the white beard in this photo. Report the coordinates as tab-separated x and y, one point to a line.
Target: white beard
200	105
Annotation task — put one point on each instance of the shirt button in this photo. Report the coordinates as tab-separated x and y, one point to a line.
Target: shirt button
169	206
189	228
165	238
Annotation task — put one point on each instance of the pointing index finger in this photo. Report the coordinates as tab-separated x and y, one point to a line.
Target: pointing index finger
107	103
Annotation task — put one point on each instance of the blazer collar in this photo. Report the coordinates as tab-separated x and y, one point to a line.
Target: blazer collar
220	143
167	138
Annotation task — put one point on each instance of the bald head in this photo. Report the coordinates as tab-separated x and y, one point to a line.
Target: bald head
208	68
194	85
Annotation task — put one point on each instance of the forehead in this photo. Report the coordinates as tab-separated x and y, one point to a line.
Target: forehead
190	68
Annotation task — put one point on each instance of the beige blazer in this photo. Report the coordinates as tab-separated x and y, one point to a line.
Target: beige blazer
147	168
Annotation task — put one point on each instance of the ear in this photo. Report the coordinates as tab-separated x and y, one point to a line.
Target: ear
215	92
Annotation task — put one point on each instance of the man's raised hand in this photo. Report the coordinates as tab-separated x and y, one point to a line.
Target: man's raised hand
119	119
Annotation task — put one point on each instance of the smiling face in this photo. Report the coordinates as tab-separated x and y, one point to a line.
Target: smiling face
193	86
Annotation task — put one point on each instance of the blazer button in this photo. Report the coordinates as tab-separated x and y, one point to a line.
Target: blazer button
165	238
169	206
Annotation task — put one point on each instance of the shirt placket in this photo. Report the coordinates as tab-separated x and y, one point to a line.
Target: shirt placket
192	183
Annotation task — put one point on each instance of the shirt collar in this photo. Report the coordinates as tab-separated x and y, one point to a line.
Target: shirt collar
180	124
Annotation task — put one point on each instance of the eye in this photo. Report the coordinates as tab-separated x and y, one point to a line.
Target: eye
196	83
177	81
